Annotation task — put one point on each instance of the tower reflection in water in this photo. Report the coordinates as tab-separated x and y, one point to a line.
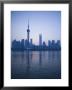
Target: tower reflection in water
36	65
28	59
40	58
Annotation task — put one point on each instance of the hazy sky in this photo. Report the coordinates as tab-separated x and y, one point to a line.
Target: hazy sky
47	23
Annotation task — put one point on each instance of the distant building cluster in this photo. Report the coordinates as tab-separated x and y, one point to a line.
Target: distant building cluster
25	45
28	44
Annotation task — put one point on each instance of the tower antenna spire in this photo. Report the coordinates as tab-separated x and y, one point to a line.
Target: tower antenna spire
28	23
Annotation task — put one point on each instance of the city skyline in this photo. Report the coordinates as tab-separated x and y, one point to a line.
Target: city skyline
49	26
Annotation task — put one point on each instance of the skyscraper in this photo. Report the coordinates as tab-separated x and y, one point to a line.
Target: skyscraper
58	42
31	41
26	43
22	44
49	43
40	39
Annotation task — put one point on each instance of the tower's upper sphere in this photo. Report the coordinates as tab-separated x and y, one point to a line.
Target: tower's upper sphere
28	30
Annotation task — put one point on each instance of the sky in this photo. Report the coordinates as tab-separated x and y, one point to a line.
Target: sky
47	23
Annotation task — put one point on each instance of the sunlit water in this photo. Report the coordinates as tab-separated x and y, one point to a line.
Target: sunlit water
36	65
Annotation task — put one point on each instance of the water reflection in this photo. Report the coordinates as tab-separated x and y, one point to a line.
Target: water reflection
36	64
40	57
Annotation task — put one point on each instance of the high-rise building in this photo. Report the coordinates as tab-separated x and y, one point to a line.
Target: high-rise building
14	44
53	42
44	44
40	39
30	41
58	42
49	43
26	43
22	43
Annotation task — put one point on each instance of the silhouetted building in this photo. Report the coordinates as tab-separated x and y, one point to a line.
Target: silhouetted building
16	45
40	40
44	44
31	42
49	43
22	44
58	42
13	43
53	42
26	43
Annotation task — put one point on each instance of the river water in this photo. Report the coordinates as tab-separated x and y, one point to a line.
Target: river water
36	65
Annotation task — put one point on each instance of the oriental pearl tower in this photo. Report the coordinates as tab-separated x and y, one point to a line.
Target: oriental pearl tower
28	32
